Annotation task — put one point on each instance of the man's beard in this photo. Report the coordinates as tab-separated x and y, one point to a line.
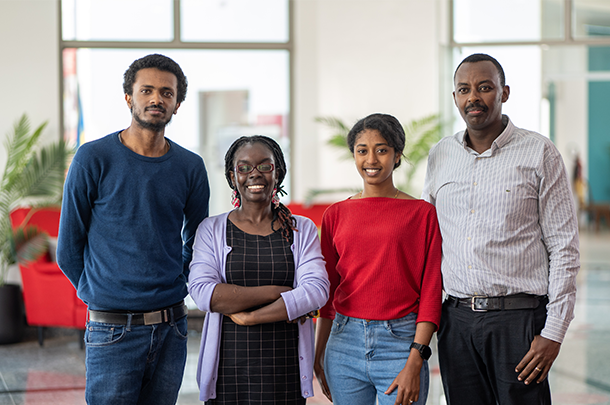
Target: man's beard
154	126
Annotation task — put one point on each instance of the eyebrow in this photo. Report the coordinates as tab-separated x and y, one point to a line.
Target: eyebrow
269	159
478	84
377	144
150	86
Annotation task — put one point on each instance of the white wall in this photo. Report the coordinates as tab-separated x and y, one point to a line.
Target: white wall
354	58
29	45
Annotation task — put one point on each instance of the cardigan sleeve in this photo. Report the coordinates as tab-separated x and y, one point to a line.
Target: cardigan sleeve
205	268
311	290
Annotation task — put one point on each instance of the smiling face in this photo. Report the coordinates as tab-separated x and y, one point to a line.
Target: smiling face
254	186
153	100
375	159
479	96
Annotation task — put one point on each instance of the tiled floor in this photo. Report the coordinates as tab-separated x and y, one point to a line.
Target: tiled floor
54	374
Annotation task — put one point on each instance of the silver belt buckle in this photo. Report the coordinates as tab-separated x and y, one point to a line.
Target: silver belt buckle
472	303
152	318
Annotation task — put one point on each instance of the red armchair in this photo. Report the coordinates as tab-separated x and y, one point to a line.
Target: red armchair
50	299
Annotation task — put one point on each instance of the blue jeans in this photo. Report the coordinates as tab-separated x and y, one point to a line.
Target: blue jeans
135	364
363	357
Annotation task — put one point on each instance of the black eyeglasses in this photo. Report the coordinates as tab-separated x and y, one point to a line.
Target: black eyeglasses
262	168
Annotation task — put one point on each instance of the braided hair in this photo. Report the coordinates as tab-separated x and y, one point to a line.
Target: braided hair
281	213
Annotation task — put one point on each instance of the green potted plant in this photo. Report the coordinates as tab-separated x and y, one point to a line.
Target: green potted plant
33	175
421	135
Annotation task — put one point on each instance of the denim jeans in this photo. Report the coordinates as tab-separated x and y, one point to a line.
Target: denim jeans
363	357
135	364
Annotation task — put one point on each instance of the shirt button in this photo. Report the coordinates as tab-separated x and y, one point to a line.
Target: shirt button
469	238
306	392
470	267
472	211
304	378
301	357
475	183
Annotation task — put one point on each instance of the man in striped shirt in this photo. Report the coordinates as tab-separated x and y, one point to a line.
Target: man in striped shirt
510	247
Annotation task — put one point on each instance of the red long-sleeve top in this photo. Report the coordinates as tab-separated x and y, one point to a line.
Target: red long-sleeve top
383	258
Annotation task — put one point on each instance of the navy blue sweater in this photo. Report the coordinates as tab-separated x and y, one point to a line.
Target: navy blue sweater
128	223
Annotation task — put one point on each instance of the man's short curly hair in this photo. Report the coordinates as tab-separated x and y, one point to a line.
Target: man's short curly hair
156	61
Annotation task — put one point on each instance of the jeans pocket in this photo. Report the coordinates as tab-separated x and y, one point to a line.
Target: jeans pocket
403	328
103	334
338	324
181	328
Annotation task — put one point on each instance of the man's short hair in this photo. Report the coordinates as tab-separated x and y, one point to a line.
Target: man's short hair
481	57
156	61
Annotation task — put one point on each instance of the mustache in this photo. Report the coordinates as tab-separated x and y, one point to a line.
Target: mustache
475	106
155	107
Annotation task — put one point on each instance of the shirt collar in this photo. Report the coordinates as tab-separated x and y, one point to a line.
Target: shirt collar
504	138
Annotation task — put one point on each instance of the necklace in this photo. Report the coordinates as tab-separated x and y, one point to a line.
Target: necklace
395	195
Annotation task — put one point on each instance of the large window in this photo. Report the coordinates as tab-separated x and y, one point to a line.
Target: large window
556	55
235	54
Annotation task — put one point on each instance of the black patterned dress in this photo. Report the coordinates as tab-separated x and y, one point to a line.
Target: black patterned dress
258	364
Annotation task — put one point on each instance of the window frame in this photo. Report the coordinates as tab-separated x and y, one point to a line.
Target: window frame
178	44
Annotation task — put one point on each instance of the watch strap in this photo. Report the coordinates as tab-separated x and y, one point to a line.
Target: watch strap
424	351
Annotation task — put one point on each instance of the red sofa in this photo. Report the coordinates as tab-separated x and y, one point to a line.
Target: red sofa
50	299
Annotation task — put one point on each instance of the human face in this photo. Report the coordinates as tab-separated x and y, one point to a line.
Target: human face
375	158
254	186
153	99
479	96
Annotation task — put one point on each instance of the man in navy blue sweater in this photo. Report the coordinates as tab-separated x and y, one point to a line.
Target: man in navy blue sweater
132	203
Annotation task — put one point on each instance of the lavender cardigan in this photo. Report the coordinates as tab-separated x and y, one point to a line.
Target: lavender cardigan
207	269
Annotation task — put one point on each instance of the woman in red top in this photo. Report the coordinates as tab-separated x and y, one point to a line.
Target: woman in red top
383	256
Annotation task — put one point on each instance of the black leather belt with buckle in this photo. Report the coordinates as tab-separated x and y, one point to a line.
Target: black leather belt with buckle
484	304
140	318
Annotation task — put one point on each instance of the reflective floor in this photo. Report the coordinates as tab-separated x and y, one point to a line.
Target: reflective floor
54	374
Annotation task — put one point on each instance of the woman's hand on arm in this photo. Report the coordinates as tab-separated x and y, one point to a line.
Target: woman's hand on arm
231	298
407	381
323	327
273	312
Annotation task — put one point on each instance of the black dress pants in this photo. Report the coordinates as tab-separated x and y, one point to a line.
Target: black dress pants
478	353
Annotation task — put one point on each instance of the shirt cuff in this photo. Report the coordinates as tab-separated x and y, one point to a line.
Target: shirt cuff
555	329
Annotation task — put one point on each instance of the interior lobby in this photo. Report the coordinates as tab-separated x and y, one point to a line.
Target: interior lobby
283	68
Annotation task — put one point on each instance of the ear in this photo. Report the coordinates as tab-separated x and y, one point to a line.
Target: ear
176	109
128	99
505	93
397	157
454	100
232	176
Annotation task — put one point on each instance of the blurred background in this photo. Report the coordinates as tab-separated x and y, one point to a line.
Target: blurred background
273	66
301	71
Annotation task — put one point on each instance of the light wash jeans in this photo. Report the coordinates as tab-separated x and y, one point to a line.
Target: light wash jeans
135	364
363	357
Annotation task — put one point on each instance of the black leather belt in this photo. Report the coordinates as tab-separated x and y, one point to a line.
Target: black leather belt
484	304
140	318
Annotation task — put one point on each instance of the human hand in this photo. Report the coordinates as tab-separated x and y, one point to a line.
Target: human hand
319	370
303	318
537	362
407	381
241	318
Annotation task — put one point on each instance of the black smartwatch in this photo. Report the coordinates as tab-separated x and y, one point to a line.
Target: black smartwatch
424	351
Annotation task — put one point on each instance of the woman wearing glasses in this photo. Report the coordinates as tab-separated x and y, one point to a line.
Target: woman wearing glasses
259	273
